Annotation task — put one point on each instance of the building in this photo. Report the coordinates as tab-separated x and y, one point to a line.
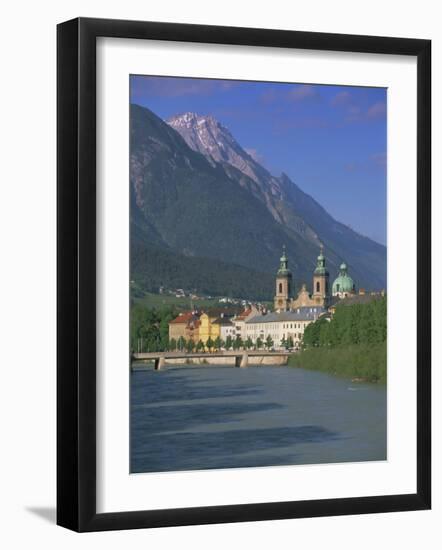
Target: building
208	328
239	321
186	326
343	285
227	328
216	322
284	300
291	315
283	285
320	281
283	325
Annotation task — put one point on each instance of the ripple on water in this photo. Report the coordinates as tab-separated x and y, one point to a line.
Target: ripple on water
187	418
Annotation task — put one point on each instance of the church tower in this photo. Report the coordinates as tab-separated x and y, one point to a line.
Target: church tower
283	285
320	281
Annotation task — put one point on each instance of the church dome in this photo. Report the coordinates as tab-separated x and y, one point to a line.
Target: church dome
343	282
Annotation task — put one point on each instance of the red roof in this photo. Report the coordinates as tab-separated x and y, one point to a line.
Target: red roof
184	318
244	314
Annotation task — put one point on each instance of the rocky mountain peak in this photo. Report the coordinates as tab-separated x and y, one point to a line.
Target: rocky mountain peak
205	134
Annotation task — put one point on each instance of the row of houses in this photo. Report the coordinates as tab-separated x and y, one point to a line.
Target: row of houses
253	323
250	324
215	323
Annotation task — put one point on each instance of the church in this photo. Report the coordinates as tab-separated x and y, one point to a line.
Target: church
292	315
342	287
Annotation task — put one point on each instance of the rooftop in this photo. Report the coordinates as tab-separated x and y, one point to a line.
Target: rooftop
299	314
224	321
186	317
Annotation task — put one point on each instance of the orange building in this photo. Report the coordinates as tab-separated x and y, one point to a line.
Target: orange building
186	326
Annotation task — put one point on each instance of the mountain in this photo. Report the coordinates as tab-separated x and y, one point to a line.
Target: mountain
183	203
201	214
286	202
153	267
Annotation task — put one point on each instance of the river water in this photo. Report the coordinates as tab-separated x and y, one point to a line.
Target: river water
201	417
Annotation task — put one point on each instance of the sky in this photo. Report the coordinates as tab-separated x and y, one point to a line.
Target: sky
330	140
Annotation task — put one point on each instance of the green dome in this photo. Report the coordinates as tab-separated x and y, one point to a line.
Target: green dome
343	283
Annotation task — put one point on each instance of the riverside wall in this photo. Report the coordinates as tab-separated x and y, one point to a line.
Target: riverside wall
228	361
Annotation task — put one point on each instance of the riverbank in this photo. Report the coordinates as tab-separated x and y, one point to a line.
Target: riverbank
360	362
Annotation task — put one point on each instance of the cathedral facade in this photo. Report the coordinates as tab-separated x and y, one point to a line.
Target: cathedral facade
320	295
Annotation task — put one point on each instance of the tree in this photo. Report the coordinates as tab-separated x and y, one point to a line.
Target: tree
217	343
200	346
238	343
323	334
151	327
172	344
367	326
290	343
229	342
269	342
249	343
190	345
355	324
259	343
181	343
283	343
209	343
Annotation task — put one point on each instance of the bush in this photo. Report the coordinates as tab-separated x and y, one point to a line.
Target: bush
362	361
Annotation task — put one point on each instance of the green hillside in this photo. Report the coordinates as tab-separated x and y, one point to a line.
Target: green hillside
152	267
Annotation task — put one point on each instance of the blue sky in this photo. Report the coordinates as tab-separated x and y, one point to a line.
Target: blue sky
330	140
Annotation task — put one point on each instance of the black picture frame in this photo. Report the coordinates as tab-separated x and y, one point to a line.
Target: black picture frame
76	274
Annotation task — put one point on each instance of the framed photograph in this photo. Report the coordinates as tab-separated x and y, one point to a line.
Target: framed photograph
243	274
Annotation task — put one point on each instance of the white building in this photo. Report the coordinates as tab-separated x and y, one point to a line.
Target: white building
281	326
239	321
226	328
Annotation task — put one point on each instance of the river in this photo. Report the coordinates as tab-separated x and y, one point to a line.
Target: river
200	417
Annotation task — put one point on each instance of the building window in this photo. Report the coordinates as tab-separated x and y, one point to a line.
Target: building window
337	287
318	286
280	288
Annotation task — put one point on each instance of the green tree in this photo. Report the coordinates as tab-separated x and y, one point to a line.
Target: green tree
200	346
311	335
209	343
181	343
323	334
229	342
249	343
290	343
237	343
151	327
172	344
269	342
190	345
259	343
283	343
217	343
367	326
